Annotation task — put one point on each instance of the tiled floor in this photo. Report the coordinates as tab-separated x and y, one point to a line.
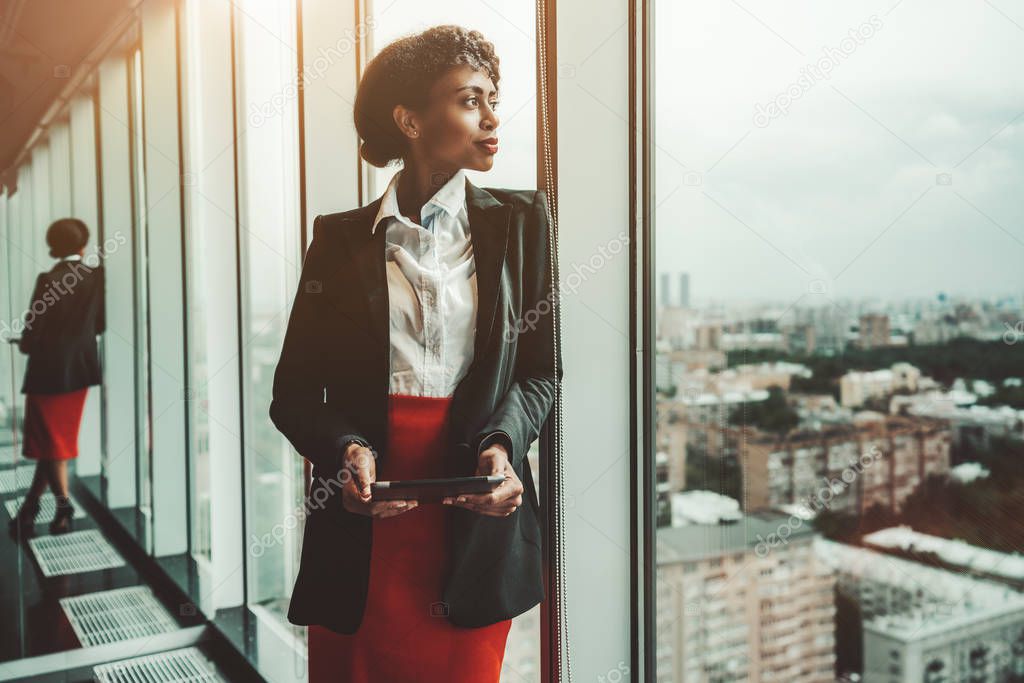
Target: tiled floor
35	624
30	600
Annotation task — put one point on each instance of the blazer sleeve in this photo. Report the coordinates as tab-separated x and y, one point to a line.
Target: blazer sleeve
522	412
33	329
297	406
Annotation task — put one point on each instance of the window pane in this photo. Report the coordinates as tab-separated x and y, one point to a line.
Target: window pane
271	261
838	327
143	403
198	266
8	387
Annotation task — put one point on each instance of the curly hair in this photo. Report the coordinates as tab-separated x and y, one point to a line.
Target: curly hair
403	73
66	236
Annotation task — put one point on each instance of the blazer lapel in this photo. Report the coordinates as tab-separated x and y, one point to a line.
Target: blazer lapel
488	229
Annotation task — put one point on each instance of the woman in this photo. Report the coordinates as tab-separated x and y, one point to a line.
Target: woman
60	327
421	344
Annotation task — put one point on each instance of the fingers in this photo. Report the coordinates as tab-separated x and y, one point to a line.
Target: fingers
380	509
363	468
352	500
391	508
510	488
501	510
496	504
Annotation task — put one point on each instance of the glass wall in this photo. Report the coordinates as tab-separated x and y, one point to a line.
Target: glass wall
208	133
268	187
140	344
839	308
84	191
117	484
9	383
236	177
198	268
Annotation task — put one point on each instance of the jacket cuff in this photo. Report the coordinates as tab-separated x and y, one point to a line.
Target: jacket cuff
343	444
497	436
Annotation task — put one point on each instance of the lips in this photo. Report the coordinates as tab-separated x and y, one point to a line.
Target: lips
490	145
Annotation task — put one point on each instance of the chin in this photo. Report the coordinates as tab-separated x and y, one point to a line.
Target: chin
484	165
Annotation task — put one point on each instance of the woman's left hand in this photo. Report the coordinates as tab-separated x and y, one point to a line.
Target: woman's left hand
502	501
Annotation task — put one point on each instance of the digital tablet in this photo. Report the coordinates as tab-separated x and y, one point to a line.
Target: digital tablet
433	490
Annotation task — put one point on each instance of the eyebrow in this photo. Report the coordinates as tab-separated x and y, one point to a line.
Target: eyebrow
475	88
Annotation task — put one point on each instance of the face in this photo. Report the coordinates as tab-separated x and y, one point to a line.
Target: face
459	118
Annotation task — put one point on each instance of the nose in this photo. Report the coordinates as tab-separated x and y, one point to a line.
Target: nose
490	121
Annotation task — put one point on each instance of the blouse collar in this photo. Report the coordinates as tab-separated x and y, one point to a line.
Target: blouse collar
450	198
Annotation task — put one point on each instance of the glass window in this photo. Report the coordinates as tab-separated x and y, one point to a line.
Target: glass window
8	389
268	182
837	248
117	486
60	170
198	267
84	195
143	412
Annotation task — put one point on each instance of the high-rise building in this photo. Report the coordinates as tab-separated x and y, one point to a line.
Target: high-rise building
874	331
748	601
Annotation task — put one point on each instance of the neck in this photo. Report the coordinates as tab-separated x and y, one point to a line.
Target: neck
417	184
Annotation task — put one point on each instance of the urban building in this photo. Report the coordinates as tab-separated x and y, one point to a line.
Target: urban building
920	623
746	601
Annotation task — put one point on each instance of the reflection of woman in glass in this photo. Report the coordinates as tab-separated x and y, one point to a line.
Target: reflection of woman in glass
64	317
421	345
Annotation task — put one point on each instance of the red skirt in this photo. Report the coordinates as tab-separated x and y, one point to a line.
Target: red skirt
51	425
405	635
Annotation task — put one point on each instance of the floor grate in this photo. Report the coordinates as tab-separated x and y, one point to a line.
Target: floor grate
117	615
47	508
175	666
74	553
16	478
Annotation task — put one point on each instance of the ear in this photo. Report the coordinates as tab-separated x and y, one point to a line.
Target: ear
407	121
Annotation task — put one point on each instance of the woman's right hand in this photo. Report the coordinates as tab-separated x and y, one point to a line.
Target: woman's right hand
355	493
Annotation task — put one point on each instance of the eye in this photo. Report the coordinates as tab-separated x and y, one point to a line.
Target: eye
474	100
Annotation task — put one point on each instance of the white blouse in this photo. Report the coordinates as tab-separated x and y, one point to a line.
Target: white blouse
431	277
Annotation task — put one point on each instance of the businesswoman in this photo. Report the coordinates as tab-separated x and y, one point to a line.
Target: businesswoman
60	327
420	345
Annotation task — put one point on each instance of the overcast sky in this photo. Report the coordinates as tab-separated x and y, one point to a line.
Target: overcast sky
845	188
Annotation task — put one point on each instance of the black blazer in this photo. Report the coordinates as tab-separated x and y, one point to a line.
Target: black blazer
332	383
64	316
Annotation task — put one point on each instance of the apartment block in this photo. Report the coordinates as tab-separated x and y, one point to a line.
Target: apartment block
920	623
748	601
